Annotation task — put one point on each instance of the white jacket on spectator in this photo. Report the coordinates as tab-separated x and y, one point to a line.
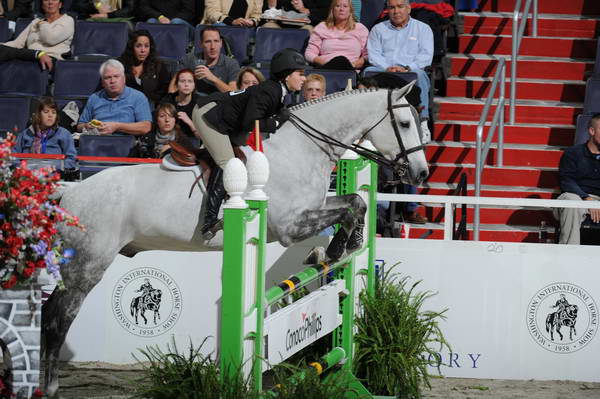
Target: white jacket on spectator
217	10
54	38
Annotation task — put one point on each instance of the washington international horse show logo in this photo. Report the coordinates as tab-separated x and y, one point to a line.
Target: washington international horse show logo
146	302
562	318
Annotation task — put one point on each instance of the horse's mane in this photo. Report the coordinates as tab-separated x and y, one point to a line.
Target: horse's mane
331	96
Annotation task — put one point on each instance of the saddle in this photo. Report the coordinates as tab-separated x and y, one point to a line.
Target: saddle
186	156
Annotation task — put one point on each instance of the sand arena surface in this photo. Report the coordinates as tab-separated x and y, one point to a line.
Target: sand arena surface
103	381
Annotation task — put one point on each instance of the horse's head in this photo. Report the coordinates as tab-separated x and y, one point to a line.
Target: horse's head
156	295
572	311
399	139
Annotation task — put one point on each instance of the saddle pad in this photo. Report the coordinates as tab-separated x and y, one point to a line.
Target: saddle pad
169	164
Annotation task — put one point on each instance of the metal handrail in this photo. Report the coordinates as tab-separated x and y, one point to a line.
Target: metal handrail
518	30
497	120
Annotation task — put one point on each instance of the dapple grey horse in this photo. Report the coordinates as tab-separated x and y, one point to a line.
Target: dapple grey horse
145	207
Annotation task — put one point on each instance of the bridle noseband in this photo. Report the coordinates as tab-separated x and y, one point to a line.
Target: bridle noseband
399	167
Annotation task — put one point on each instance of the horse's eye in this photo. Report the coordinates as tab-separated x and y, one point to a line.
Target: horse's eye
405	125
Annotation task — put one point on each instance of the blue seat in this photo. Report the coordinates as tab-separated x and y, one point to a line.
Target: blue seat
271	40
4	32
14	111
105	146
336	80
23	77
370	11
591	104
107	39
237	37
171	39
21	24
76	78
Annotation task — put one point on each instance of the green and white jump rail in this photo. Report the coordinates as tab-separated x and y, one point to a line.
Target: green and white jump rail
253	342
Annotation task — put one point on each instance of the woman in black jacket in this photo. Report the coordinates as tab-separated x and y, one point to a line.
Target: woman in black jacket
143	70
224	119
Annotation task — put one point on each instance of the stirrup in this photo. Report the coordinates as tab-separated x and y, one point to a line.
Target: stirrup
208	233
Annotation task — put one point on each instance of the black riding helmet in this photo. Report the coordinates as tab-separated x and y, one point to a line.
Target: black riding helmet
285	62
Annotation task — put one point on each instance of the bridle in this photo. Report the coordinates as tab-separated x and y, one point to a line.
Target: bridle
399	167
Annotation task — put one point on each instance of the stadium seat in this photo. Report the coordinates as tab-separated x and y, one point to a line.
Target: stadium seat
408	76
581	134
370	11
171	39
591	104
105	146
76	78
336	80
4	32
99	39
26	78
21	24
15	113
235	36
271	40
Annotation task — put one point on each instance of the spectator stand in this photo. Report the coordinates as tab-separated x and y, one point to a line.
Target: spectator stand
271	40
236	41
24	78
171	39
4	32
370	12
98	152
99	40
21	24
15	113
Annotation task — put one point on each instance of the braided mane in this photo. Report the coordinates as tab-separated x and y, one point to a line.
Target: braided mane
331	96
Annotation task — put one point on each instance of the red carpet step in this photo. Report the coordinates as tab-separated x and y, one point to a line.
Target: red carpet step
473	87
528	68
457	109
443	153
542	134
548	25
508	176
490	191
506	216
576	7
533	46
523	234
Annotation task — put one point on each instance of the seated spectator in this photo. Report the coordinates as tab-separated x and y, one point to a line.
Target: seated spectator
249	76
184	100
232	12
314	87
315	10
214	71
44	136
579	180
339	42
15	9
165	130
402	44
116	109
107	10
143	70
167	12
10	53
52	34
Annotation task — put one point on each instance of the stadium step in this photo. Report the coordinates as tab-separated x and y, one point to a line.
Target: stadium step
570	7
513	155
527	89
506	176
501	233
485	23
489	215
462	109
479	65
490	191
540	134
532	46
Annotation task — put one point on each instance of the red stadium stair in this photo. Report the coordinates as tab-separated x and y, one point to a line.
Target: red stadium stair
550	90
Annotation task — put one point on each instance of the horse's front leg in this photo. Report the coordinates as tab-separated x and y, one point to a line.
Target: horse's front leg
347	210
558	331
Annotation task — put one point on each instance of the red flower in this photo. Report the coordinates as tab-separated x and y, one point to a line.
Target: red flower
10	282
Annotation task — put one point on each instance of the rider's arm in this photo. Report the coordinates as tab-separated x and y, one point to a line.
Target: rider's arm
261	106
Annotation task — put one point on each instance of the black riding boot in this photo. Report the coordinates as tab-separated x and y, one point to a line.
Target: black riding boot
216	193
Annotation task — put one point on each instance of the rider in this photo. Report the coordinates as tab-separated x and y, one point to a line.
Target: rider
224	119
146	288
561	304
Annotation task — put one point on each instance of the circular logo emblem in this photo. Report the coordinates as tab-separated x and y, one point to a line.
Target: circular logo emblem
562	318
146	302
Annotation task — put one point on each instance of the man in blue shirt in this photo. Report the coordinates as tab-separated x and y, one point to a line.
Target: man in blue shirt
116	109
402	44
579	173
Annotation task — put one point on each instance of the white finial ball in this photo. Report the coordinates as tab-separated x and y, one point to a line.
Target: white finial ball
258	175
235	180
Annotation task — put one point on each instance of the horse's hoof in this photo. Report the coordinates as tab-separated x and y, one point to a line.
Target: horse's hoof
315	256
355	241
337	246
212	231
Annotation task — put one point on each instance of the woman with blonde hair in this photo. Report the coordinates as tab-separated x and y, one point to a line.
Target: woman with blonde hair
339	42
249	76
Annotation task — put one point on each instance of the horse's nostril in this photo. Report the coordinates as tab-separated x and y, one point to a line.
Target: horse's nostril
423	175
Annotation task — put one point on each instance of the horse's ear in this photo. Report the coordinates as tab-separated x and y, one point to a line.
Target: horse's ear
404	91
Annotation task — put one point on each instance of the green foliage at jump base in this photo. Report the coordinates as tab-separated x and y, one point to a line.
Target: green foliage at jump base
394	337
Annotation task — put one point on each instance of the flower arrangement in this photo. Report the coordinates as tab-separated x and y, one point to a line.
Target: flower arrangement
29	239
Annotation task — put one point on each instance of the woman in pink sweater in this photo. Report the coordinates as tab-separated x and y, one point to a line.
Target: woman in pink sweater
339	42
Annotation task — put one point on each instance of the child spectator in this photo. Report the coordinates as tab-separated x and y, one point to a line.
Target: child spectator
184	100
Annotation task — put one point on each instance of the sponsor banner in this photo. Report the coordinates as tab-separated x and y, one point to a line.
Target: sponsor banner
515	310
298	325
